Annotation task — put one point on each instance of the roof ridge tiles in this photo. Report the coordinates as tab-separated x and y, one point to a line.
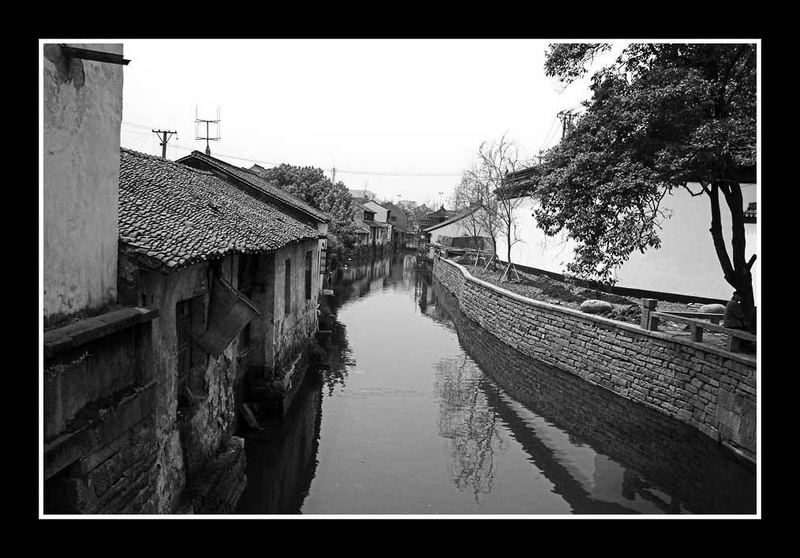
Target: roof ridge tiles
160	159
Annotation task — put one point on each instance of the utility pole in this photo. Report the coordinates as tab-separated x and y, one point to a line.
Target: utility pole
333	175
162	135
566	117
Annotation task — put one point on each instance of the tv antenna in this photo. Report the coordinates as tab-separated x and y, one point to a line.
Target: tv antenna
198	124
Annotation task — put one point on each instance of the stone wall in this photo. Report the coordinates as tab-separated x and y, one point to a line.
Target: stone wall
707	388
99	407
82	112
650	444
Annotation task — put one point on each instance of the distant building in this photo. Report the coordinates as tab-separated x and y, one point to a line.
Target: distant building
370	232
462	231
398	219
435	217
367	194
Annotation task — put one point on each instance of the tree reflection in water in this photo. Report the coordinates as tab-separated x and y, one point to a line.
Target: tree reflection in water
467	421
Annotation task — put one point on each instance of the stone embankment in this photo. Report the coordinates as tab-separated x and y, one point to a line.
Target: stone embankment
703	386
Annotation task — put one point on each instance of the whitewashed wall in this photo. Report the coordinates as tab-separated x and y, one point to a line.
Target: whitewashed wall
685	264
82	112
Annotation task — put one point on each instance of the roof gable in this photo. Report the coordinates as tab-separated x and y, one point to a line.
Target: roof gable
454	218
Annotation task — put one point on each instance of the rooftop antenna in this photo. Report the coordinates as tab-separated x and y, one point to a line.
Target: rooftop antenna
197	125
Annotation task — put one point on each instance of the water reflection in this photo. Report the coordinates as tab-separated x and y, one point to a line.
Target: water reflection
435	419
467	421
641	459
281	460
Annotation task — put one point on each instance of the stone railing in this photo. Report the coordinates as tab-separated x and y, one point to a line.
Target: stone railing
706	387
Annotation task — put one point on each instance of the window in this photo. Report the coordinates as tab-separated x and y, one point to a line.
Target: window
192	359
323	260
287	287
308	275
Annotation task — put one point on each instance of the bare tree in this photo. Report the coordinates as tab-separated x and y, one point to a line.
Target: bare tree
469	194
488	179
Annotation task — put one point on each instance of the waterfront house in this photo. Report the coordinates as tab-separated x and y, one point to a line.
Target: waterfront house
397	217
236	282
364	219
253	184
382	215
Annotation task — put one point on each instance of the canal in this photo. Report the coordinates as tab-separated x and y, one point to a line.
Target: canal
421	412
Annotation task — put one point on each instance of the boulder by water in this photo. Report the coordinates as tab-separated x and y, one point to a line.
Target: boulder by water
596	306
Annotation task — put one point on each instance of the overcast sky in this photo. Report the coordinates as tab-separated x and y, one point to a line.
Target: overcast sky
402	118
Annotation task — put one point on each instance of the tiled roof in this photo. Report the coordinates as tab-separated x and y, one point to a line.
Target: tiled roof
253	179
453	219
173	216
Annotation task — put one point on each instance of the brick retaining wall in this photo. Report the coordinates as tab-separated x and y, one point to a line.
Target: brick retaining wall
705	387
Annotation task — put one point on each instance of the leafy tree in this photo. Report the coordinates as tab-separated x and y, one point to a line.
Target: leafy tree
312	186
660	117
415	214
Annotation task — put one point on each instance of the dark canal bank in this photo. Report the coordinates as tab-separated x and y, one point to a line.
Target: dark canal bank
410	418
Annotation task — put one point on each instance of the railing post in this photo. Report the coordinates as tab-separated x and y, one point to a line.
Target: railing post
697	332
649	322
734	344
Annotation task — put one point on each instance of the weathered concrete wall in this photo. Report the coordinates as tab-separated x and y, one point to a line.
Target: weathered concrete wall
686	263
99	428
189	439
707	388
82	113
292	331
92	372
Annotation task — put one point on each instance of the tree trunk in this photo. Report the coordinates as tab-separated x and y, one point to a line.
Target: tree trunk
737	274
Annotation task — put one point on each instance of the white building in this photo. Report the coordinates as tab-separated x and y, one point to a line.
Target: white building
686	263
464	225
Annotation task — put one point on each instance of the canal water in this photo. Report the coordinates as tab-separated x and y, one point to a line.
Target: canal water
422	412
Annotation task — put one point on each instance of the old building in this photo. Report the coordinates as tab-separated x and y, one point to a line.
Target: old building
372	234
99	391
250	182
398	219
236	280
463	231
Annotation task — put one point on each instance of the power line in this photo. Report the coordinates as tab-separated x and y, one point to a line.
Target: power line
338	170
